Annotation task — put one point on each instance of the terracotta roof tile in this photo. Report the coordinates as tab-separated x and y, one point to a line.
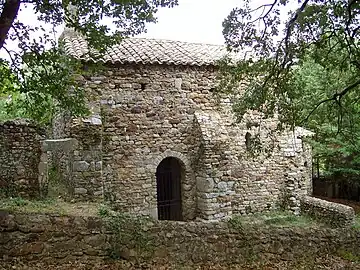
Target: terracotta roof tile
148	51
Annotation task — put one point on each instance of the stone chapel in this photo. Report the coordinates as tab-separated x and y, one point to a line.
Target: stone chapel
159	142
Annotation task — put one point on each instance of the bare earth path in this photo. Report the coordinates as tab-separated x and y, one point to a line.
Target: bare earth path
321	263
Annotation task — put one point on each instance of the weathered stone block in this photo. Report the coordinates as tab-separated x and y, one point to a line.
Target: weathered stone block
80	191
81	166
63	145
205	184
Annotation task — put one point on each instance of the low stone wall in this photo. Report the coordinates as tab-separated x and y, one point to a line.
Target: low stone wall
35	237
334	214
45	236
20	154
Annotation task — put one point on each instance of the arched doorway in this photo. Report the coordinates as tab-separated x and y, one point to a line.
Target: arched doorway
168	178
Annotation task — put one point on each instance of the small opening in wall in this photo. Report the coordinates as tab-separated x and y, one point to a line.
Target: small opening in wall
143	86
248	140
305	164
169	174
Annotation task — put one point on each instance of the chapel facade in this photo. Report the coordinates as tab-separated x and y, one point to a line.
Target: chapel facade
160	142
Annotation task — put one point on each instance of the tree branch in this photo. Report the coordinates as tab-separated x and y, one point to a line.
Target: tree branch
7	17
289	28
336	98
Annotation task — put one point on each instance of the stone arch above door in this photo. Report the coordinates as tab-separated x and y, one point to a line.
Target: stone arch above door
169	153
188	183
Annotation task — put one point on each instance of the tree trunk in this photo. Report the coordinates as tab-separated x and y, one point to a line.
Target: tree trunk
7	17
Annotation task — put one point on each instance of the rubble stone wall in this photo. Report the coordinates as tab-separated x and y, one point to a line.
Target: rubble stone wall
44	237
151	112
87	183
148	115
20	155
335	214
80	170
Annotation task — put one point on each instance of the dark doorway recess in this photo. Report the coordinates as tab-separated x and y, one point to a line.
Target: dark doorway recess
168	179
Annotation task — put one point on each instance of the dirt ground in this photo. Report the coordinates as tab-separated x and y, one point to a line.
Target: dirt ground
328	262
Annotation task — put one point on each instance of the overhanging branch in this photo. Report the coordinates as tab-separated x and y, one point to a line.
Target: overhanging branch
289	28
336	98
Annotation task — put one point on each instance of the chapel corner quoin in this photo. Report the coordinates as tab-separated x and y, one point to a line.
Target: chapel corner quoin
159	143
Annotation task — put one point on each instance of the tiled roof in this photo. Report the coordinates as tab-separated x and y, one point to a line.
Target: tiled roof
148	51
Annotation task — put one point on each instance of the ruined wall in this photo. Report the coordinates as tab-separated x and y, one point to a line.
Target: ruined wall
82	178
87	177
334	214
32	166
152	112
250	166
20	153
48	237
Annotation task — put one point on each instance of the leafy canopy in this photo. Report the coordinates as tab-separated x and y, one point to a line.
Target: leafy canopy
336	146
304	65
40	74
275	43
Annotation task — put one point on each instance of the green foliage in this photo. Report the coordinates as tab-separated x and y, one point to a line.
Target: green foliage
236	223
129	234
7	90
19	204
357	222
348	255
19	201
7	80
253	144
43	88
308	73
40	86
287	219
38	76
6	113
104	211
327	32
47	205
336	145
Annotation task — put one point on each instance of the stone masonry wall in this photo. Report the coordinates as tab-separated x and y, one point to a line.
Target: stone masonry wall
83	177
152	112
148	112
334	214
87	177
20	154
46	237
241	177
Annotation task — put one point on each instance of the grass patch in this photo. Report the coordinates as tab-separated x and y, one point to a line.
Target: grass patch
278	218
272	218
48	206
357	222
348	255
19	204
